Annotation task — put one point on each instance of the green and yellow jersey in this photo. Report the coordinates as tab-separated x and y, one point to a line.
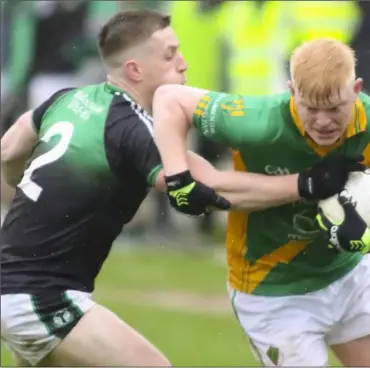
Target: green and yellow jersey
278	251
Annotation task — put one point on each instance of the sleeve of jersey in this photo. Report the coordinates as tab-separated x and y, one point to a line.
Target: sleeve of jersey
39	112
142	151
229	119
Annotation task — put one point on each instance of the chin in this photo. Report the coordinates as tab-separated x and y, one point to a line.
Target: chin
179	81
324	142
182	81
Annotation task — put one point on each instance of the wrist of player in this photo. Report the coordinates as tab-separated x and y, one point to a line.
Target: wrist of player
328	176
350	240
175	165
179	189
320	186
191	197
305	186
178	180
175	170
354	237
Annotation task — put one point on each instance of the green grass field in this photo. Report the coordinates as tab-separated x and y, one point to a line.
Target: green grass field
188	335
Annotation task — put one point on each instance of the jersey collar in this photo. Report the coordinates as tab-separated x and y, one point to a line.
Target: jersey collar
357	125
110	88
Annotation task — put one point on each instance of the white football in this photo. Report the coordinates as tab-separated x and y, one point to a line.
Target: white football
358	188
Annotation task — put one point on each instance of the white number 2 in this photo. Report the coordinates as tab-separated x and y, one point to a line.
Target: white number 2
65	130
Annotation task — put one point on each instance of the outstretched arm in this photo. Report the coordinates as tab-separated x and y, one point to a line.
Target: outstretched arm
174	108
245	191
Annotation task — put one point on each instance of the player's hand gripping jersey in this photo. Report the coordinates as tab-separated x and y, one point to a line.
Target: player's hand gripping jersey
88	174
278	251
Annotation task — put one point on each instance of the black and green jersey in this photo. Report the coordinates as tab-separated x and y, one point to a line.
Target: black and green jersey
89	172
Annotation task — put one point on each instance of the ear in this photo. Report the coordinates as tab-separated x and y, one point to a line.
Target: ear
291	88
133	71
357	87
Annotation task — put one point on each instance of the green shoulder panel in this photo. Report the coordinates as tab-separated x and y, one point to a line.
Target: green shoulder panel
237	120
84	110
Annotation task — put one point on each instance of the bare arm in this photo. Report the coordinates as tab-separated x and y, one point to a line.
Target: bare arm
16	148
173	107
245	191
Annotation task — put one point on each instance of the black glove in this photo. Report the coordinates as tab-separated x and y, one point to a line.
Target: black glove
190	197
328	177
352	234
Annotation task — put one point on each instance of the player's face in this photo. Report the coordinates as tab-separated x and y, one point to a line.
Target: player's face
326	119
165	64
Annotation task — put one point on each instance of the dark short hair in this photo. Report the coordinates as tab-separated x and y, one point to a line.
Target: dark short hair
129	28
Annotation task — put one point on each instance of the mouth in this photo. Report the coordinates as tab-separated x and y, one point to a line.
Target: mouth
327	133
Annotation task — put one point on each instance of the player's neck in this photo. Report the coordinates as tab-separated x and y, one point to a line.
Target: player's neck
140	98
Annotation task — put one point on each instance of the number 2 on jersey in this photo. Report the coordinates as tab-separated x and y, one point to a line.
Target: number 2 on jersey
65	130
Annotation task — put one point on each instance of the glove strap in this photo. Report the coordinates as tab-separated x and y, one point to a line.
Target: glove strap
178	180
305	186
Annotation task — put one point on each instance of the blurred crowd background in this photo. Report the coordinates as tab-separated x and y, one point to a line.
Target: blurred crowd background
233	46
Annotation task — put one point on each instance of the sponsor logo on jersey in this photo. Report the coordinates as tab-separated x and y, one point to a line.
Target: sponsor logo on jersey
208	123
276	170
304	224
83	97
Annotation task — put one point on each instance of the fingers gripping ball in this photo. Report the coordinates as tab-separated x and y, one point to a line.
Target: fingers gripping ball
347	225
358	189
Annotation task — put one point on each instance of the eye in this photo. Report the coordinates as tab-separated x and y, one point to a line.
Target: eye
334	109
169	56
312	110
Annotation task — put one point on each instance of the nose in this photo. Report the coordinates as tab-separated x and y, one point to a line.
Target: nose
181	64
323	118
